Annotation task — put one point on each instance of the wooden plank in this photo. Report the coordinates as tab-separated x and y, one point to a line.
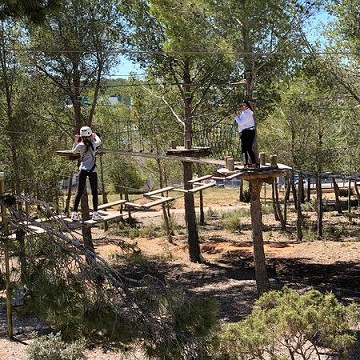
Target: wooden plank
200	179
104	218
200	188
180	190
56	217
233	176
134	205
158	202
29	230
158	191
111	204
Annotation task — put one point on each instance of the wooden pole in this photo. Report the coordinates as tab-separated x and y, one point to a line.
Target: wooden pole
7	263
262	280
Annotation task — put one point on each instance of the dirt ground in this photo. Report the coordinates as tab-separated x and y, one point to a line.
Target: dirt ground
227	274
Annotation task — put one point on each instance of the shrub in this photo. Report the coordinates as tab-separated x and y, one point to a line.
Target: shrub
51	347
285	324
232	220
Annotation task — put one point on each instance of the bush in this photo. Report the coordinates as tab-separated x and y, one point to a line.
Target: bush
232	220
285	324
51	347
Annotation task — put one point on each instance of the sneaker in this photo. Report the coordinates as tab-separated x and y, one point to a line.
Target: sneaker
75	216
96	216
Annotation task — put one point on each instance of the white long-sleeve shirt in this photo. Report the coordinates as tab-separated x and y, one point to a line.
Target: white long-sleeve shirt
245	120
87	153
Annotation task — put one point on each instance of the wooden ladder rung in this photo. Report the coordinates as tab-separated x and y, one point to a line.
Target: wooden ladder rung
151	193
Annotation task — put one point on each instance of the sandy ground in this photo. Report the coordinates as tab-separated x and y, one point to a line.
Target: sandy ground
326	265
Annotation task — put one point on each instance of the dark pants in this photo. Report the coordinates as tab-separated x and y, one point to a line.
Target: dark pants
93	184
247	139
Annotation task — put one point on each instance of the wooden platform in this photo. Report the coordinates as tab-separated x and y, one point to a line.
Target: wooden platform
263	172
90	222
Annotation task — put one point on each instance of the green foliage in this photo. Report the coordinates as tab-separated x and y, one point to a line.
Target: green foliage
309	234
173	224
125	174
191	322
288	323
335	232
233	220
51	347
267	209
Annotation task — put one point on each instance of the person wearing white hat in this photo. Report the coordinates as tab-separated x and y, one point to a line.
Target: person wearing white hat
86	145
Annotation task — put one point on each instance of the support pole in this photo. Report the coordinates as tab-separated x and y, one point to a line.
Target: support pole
262	280
10	331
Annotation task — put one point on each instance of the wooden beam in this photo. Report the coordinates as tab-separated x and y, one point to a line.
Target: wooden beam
111	204
149	204
200	188
151	193
205	177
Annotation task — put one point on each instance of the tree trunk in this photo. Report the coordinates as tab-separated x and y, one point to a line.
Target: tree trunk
319	207
164	206
68	196
337	196
308	197
262	281
357	192
299	222
349	199
278	207
201	205
241	191
293	189
276	215
190	217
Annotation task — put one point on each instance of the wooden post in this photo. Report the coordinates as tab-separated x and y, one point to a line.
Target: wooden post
7	263
190	217
262	280
188	144
273	161
349	199
262	158
230	164
173	144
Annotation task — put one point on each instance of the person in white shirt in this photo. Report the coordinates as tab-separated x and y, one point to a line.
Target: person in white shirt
246	127
86	145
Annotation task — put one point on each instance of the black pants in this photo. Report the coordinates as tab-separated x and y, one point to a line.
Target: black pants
247	139
93	184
